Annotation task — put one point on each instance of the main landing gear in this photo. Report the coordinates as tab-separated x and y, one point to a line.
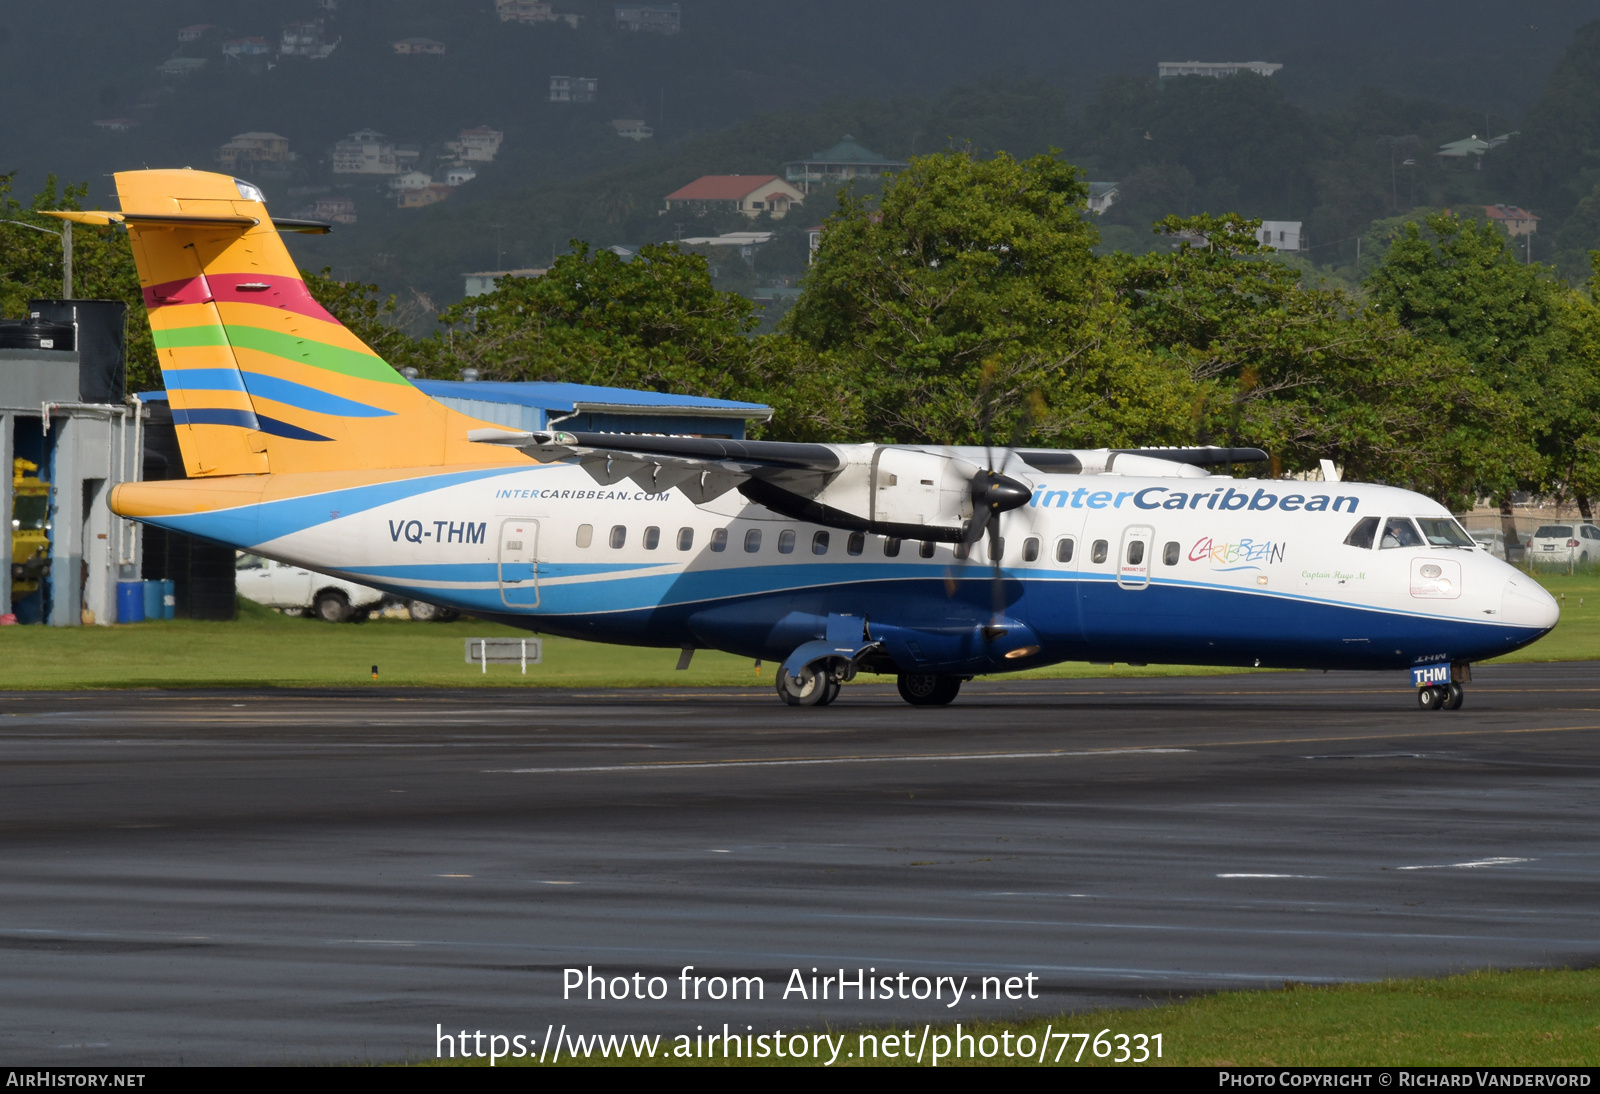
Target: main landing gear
928	689
1441	697
816	687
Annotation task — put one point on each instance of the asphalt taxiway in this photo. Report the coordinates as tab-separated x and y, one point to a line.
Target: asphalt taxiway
236	877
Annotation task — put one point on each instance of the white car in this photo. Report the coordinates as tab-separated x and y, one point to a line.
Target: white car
299	590
1565	543
1492	540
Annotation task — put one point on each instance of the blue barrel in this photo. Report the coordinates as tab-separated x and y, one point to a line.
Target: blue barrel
130	602
169	600
152	599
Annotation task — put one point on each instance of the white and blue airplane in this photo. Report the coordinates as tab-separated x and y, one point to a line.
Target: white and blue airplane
922	562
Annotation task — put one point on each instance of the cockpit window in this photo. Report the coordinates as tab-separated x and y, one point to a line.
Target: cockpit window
1443	532
1362	534
1399	532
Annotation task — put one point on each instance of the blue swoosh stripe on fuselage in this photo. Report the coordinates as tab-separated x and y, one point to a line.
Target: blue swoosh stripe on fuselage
617	589
271	520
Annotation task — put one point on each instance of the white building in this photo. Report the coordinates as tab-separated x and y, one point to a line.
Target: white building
364	152
1215	69
632	128
1281	235
1102	196
572	89
650	18
304	39
532	11
477	145
458	175
411	180
484	281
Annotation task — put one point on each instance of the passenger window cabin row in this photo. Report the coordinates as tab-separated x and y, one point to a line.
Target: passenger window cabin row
856	544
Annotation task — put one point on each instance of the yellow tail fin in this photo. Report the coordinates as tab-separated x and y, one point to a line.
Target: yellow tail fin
261	378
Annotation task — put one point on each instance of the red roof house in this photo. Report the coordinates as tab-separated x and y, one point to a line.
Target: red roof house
751	195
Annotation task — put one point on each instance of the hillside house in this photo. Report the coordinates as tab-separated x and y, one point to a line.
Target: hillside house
1214	69
411	180
1102	196
459	175
333	210
1282	235
195	32
364	152
486	281
253	149
180	66
746	243
238	49
304	39
572	89
632	128
1516	220
531	11
751	195
116	125
431	194
418	47
845	160
477	145
648	18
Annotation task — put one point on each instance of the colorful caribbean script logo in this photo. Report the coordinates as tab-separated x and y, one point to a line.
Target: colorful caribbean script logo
1244	551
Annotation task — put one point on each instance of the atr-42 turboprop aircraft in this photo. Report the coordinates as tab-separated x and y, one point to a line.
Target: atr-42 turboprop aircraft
929	563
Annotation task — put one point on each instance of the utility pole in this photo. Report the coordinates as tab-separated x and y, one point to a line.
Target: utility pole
66	250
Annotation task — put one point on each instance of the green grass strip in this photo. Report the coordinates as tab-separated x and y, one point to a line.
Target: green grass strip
303	351
1522	1018
265	649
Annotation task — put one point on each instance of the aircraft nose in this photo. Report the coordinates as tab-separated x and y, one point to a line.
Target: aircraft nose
1524	604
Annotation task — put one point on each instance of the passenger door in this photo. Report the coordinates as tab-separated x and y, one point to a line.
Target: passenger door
519	562
1133	561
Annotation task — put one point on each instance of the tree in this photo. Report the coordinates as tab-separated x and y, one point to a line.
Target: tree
962	306
102	269
655	323
378	321
1458	284
1303	371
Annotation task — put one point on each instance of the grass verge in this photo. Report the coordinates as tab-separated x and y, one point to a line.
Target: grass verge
1525	1018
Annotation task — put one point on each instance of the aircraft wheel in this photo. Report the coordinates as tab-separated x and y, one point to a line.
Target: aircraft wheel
928	689
831	691
1431	698
332	607
812	690
1455	695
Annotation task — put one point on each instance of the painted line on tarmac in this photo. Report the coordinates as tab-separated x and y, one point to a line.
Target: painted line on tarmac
819	761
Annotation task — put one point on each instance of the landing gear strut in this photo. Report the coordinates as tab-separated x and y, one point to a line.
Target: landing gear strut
928	689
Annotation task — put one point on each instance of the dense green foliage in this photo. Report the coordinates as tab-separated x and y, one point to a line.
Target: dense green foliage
102	268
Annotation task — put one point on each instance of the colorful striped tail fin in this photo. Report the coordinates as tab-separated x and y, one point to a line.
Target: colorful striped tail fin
261	378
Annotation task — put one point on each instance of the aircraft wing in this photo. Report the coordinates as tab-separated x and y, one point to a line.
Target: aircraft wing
904	491
890	490
702	467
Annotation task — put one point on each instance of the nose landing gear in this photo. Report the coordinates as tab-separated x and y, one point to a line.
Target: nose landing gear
1441	697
